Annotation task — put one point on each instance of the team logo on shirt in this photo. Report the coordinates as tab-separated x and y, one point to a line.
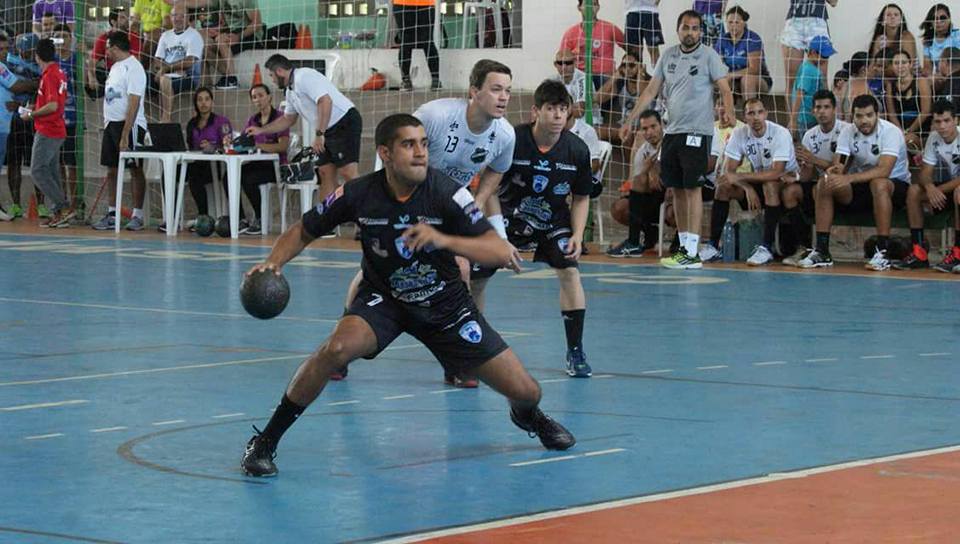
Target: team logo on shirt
542	165
454	126
766	154
671	68
540	183
471	332
561	189
563	244
875	149
404	223
833	147
492	137
112	94
955	159
402	249
694	70
479	155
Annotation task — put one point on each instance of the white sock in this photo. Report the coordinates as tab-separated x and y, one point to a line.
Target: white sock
138	213
693	244
111	209
683	239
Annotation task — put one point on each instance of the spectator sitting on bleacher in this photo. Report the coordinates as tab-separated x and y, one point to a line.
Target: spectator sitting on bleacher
891	31
712	13
254	174
742	52
768	147
99	63
939	177
809	80
869	173
177	62
576	83
946	79
239	30
47	24
67	59
606	37
61	10
908	101
814	155
206	131
841	79
938	35
646	191
858	69
624	88
148	18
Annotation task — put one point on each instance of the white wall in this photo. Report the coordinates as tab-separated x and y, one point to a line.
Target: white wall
851	25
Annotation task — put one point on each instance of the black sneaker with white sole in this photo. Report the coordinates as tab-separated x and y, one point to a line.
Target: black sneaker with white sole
259	455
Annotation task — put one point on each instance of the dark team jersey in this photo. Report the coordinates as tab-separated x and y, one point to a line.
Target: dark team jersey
427	278
536	187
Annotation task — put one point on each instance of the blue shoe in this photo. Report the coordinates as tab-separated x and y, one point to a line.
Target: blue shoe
577	366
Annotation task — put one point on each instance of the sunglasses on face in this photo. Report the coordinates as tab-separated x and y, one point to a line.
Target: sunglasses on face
941	17
563	62
629	65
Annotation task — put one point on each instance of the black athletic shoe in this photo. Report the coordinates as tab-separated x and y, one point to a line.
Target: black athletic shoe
552	435
258	459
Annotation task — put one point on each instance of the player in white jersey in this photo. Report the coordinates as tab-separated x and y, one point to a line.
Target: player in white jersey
768	148
869	173
939	178
814	154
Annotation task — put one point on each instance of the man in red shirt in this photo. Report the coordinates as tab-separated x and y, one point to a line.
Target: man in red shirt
606	37
51	131
96	75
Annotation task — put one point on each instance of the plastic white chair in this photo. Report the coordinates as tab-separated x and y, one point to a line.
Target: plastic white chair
479	8
606	150
305	189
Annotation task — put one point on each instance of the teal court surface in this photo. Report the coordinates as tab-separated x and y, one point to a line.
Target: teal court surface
130	377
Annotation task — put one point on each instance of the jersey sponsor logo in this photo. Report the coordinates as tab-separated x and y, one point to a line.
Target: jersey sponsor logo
429	220
415	283
112	94
561	189
375	299
377	250
473	212
567	167
542	165
479	155
331	198
471	332
401	243
462	177
454	126
519	162
540	183
492	137
538	211
373	221
671	68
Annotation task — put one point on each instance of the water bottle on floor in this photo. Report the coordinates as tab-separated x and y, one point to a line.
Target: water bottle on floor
728	242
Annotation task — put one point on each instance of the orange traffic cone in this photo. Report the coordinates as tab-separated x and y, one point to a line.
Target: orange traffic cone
32	208
304	38
257	78
375	82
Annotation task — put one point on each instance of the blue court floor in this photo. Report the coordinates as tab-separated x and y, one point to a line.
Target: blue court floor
130	377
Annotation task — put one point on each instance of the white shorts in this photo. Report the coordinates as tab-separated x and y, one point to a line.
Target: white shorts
798	32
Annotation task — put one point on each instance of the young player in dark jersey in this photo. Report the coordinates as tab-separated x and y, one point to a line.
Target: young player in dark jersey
550	164
415	220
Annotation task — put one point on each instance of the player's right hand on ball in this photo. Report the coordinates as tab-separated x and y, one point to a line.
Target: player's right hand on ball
263	267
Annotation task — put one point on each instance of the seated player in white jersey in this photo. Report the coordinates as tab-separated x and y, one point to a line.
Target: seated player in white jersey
410	284
869	173
550	166
469	138
814	154
646	190
769	149
938	179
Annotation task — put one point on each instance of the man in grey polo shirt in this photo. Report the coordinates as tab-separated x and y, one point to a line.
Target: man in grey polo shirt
687	74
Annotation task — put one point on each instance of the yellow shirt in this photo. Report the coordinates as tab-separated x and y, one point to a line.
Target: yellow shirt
151	13
725	134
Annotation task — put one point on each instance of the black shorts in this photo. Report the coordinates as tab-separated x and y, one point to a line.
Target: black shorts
744	205
342	140
707	193
862	200
460	340
68	151
19	142
683	166
110	145
643	27
551	247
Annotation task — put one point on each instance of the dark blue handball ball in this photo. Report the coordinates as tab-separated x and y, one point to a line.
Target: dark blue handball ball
264	294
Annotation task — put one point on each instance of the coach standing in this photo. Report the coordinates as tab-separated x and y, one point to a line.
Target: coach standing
51	131
687	74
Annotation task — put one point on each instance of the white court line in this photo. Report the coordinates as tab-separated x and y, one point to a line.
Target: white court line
658	371
603	376
554	380
822	360
342	402
770	363
222	416
395	397
155	310
566	457
770	478
877	356
168	422
714	367
43	436
43	405
442	391
938	354
108	429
